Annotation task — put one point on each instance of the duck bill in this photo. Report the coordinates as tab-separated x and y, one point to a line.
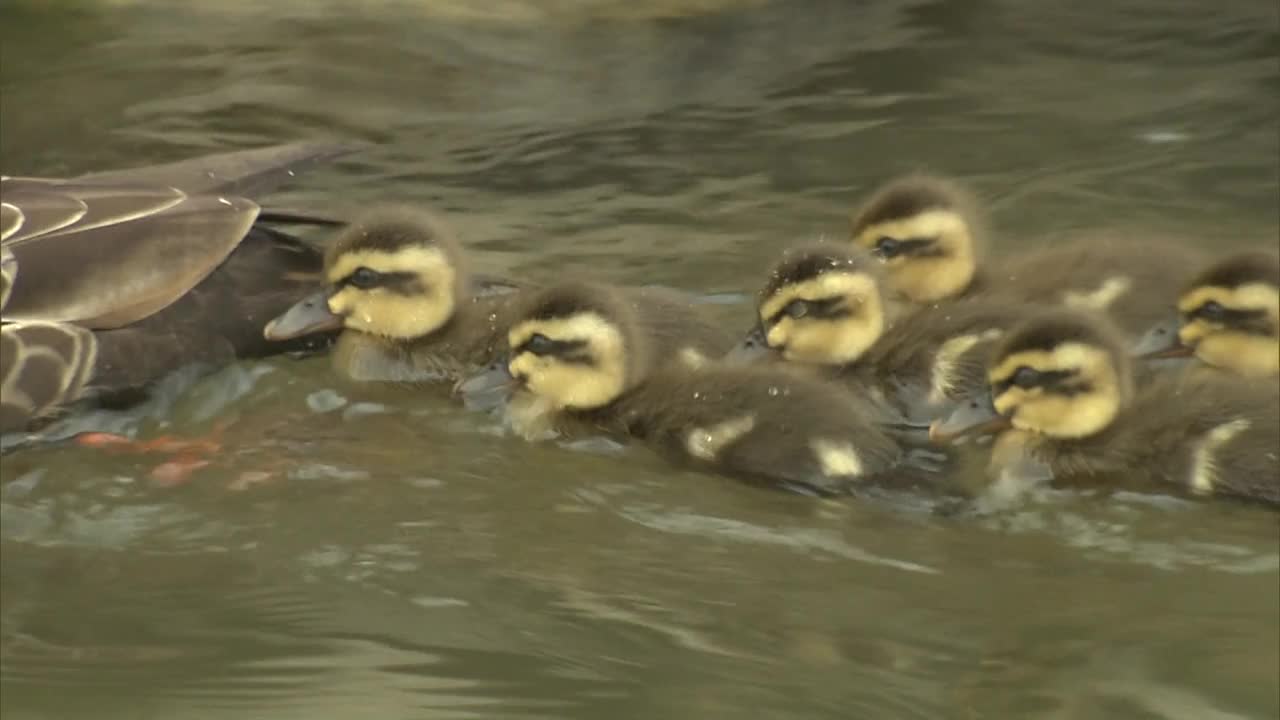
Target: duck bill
488	388
1171	351
969	419
308	316
751	350
1161	342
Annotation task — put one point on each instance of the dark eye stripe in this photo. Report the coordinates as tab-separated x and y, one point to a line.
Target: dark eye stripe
831	307
392	280
919	246
1246	319
560	348
889	247
1058	381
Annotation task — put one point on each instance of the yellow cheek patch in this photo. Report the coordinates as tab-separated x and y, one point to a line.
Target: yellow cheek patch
1100	299
779	333
837	459
927	279
1057	415
566	385
1247	355
858	287
705	443
388	314
1204	468
1191	333
1010	399
829	342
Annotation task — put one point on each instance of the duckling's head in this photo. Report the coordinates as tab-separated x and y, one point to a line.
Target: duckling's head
576	346
1230	315
395	272
822	305
1064	374
924	229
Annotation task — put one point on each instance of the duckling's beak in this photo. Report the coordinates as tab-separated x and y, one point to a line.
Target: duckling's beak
973	417
752	349
307	316
1161	342
488	388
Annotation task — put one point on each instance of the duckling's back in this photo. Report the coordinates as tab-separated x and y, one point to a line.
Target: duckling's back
767	423
1203	434
1237	449
676	326
1134	280
939	352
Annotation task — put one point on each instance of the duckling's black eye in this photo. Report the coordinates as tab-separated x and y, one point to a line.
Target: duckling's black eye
1025	377
365	278
796	309
887	247
540	344
1212	311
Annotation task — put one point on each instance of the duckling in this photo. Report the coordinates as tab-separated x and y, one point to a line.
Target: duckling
1062	395
929	233
112	280
1228	318
399	287
825	306
582	355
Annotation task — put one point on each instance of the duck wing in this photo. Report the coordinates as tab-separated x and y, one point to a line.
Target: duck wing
107	255
108	249
250	173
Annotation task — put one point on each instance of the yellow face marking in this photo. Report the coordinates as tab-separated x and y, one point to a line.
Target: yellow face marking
572	385
1204	468
1254	296
823	341
944	375
705	443
1239	353
1223	346
1062	416
1100	299
385	312
927	278
836	458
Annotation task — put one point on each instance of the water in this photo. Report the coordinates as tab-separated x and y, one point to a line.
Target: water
355	553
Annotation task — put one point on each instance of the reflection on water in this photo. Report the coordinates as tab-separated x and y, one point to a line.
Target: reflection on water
354	552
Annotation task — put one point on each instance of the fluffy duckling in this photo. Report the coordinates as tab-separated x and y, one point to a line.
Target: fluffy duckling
398	285
1228	318
825	306
583	355
1062	397
929	233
